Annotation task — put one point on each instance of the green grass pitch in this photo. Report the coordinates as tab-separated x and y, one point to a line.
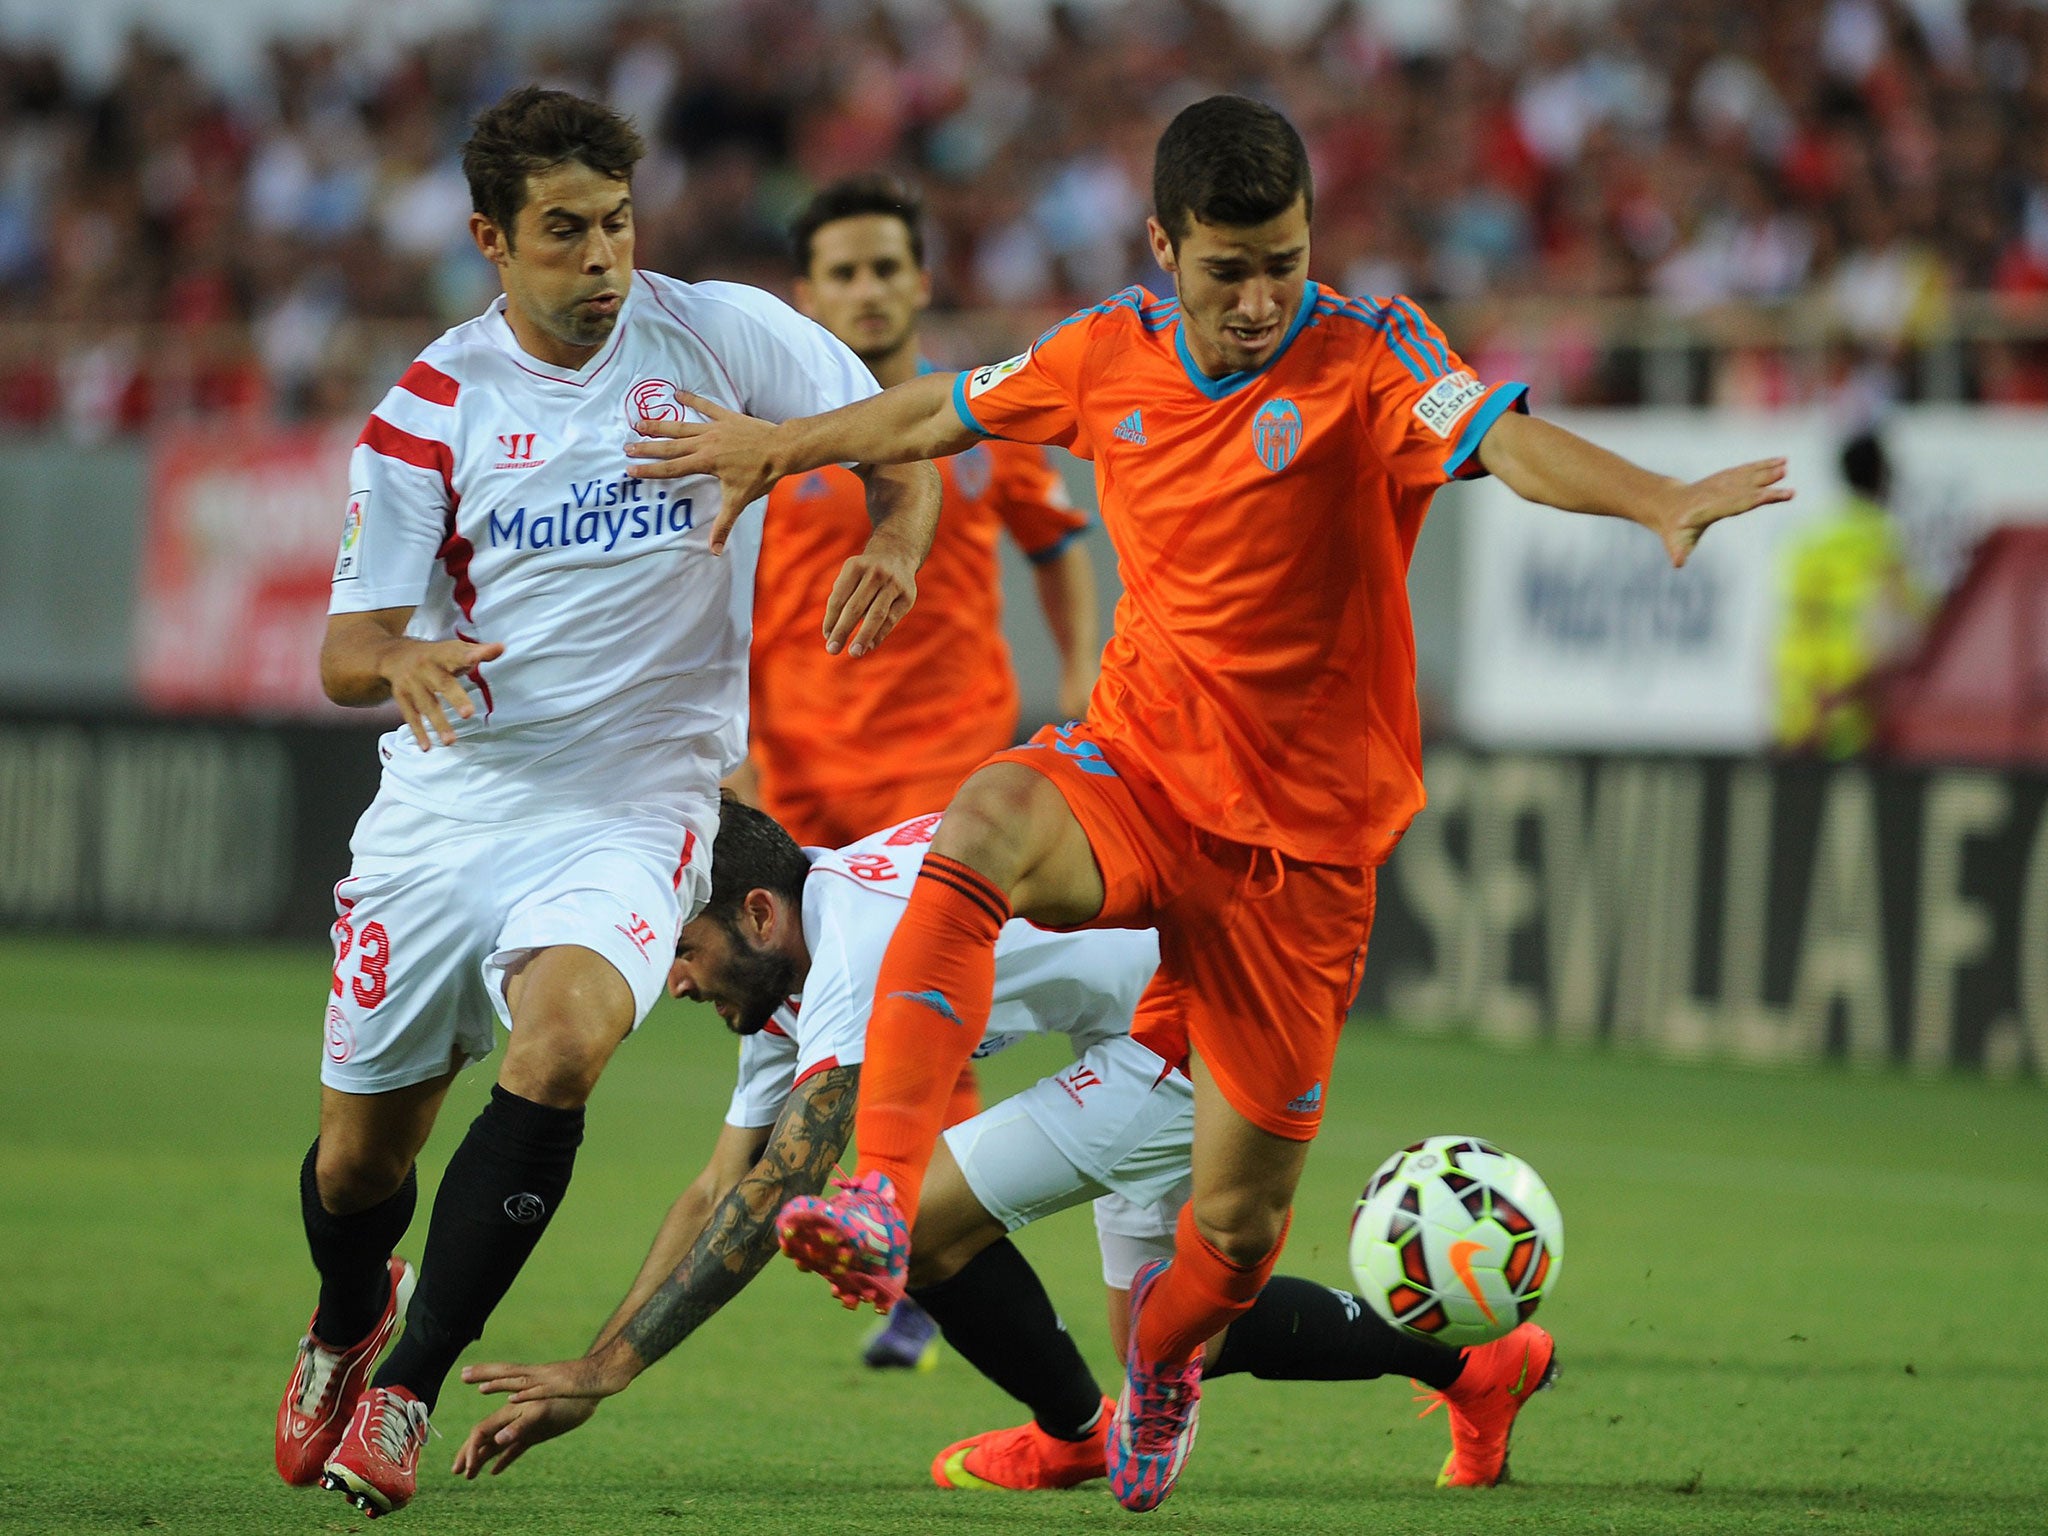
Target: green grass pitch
1789	1303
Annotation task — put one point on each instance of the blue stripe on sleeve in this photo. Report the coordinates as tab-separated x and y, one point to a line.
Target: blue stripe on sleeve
960	405
1408	358
1377	318
1407	329
1418	328
1460	465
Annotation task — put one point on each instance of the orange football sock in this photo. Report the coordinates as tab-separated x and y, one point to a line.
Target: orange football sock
965	1103
932	1002
1200	1294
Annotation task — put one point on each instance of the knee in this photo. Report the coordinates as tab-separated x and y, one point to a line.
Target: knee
561	1041
560	1070
353	1178
1243	1225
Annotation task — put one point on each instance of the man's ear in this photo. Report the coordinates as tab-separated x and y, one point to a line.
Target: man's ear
760	912
490	240
1162	246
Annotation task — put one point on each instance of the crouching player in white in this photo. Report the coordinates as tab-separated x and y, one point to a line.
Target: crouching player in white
571	664
787	950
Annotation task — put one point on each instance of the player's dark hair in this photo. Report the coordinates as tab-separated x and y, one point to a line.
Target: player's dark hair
752	852
1228	160
534	129
1867	467
851	198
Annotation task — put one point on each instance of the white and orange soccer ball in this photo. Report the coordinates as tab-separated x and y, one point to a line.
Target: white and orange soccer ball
1455	1240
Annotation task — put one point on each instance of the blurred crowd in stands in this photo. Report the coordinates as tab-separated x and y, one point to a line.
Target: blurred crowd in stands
1743	201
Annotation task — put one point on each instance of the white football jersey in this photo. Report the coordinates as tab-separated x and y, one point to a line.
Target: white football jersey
489	493
1084	985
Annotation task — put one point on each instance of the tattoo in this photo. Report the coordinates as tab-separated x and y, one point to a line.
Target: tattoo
739	1239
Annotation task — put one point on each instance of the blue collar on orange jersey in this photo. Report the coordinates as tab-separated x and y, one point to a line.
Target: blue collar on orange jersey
1231	383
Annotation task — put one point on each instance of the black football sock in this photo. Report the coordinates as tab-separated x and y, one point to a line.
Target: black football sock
352	1253
997	1315
495	1200
1300	1331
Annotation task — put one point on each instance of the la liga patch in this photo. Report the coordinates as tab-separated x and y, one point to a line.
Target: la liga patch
351	535
986	378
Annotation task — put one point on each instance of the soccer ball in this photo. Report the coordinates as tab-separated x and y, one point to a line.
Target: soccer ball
1455	1240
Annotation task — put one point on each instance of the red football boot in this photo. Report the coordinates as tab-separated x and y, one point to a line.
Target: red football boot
378	1461
325	1385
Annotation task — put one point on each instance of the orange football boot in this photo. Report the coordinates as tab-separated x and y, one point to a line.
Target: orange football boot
1024	1457
1497	1380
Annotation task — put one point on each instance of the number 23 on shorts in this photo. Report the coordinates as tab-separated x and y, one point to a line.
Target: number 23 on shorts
372	949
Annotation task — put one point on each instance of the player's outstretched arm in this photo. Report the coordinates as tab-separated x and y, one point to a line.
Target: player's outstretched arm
914	420
503	1437
1541	461
734	1245
367	658
734	1155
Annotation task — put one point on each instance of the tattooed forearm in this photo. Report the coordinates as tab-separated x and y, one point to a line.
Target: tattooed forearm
739	1239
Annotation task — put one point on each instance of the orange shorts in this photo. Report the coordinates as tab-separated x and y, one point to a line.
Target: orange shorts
1259	954
845	816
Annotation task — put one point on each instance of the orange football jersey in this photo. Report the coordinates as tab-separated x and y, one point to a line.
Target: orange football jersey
939	694
1262	671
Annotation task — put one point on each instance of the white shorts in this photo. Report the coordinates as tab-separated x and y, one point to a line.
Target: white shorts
437	912
1119	1123
1132	1235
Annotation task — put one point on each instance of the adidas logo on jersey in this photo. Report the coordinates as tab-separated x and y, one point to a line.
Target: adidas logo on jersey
1132	429
1307	1103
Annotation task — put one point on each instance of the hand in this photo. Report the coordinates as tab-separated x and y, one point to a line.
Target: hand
511	1432
425	674
589	1376
729	446
874	590
1689	510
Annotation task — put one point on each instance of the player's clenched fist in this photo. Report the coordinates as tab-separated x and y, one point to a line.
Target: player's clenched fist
426	682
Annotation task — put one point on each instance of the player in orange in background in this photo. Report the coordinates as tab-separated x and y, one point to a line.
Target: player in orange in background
839	750
1265	449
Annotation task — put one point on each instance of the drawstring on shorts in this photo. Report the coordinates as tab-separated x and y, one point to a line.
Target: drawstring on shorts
1251	874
